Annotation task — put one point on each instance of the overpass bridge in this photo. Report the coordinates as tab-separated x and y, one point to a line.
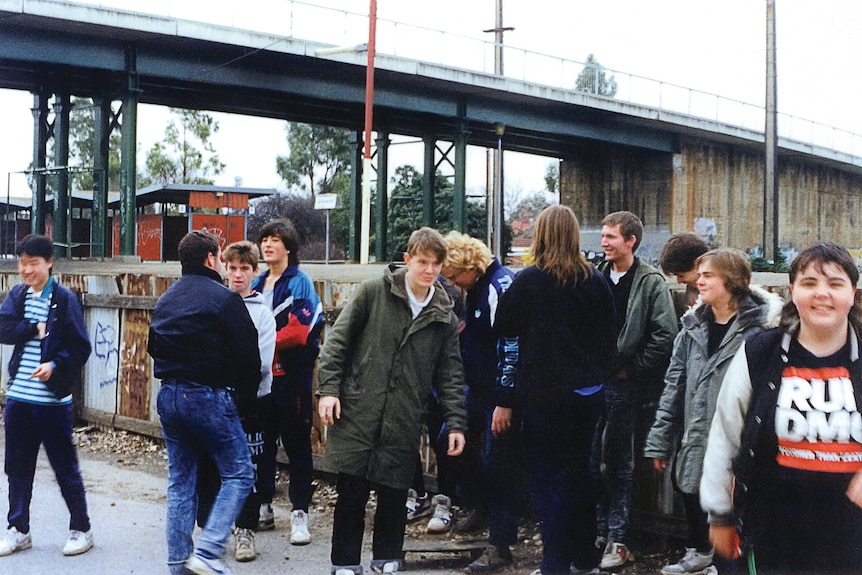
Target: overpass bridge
641	151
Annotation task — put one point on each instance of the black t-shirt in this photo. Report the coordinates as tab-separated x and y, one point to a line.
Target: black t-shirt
717	331
621	291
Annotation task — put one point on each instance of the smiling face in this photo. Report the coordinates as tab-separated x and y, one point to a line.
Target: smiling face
422	271
711	286
618	250
34	270
240	275
464	279
823	297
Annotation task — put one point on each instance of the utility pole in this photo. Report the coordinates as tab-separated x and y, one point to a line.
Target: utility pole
770	179
496	216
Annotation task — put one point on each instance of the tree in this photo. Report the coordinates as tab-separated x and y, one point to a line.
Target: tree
552	178
593	79
318	155
82	146
186	155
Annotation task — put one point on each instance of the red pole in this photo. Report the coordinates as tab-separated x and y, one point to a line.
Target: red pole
369	76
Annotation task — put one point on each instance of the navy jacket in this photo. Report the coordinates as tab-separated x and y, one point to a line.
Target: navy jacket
201	332
66	341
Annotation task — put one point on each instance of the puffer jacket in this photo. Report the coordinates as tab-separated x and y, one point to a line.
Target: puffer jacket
382	364
693	380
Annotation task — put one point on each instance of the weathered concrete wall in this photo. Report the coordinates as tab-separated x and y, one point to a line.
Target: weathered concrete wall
717	183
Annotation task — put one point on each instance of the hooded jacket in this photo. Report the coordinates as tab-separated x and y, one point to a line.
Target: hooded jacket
693	381
264	321
383	364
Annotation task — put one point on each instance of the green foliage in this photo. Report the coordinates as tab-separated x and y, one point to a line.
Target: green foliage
318	156
530	207
186	155
82	146
552	178
594	79
761	264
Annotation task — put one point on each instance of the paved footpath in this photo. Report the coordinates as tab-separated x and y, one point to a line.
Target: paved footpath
127	510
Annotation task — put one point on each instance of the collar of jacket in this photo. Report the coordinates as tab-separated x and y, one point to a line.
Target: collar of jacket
198	270
759	306
288	273
788	334
397	280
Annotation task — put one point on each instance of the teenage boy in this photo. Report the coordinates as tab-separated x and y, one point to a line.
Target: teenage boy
646	328
205	351
44	321
241	265
298	317
677	258
395	341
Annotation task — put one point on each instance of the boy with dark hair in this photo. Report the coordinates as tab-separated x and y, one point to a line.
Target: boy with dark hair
204	392
241	264
298	315
44	321
677	258
395	341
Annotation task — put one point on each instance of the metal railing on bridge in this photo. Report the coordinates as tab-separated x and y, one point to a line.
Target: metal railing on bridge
310	21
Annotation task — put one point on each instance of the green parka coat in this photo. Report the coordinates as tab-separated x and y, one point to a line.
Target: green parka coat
382	364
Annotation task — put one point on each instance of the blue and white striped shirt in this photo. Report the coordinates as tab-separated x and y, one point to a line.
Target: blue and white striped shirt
23	387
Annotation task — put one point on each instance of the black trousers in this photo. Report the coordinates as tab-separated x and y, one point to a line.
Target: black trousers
349	524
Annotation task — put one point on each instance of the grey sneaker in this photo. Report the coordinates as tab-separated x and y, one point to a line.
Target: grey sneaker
78	542
244	545
266	521
346	570
385	566
442	518
299	534
615	555
200	566
13	540
416	506
693	562
492	559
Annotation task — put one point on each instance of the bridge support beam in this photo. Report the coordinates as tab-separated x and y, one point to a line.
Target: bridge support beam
381	248
99	228
428	181
128	175
40	154
355	239
60	222
460	184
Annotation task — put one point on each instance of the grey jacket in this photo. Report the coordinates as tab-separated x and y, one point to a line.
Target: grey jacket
383	365
693	380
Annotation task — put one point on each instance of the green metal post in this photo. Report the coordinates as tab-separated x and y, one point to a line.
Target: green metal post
128	221
60	224
459	212
355	239
99	221
381	247
40	146
428	181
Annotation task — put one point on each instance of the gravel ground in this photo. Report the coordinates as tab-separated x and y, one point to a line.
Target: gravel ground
146	454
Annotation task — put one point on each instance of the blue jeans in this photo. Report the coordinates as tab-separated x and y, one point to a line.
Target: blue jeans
197	420
27	427
613	459
558	440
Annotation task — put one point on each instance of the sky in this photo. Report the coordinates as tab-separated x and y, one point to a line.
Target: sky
714	46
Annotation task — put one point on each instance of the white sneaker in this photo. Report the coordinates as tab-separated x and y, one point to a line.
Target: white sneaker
442	518
299	534
78	542
244	545
13	540
692	563
266	518
200	566
615	555
385	566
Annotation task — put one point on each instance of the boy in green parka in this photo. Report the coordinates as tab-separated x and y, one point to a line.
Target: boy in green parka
395	342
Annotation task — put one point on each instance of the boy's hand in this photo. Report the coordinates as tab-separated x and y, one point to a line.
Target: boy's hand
659	464
43	372
854	490
329	409
501	421
40	329
456	443
725	540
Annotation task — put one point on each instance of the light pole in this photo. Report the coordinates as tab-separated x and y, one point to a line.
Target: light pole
365	216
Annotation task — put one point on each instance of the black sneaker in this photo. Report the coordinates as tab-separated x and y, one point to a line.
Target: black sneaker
492	559
475	520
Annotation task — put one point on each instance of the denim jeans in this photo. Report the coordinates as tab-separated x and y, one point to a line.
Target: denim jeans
197	420
293	409
558	439
613	459
27	427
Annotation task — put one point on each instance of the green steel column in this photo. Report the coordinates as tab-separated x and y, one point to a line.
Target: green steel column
99	228
428	180
128	222
355	239
381	247
40	146
60	224
460	185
